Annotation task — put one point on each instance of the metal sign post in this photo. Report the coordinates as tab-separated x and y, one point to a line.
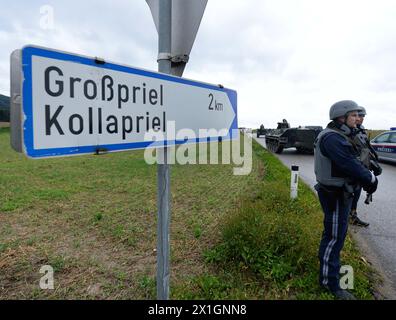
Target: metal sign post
163	174
177	23
186	18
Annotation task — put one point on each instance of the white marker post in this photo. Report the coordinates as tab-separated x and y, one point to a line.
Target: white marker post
294	182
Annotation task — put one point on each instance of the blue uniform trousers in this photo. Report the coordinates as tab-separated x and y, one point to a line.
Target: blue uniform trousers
356	197
336	212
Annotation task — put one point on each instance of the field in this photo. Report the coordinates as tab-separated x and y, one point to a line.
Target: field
93	219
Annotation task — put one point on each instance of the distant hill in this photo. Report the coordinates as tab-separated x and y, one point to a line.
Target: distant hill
4	108
4	102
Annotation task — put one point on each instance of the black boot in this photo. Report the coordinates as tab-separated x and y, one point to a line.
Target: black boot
339	293
343	295
356	221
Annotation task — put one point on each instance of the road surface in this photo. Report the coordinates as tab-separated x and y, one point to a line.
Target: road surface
378	241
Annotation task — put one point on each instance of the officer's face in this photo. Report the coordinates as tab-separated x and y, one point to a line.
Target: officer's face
360	120
351	119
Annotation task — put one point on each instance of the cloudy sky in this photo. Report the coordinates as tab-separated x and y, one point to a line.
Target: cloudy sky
286	58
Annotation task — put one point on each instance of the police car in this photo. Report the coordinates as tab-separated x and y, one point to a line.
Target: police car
385	145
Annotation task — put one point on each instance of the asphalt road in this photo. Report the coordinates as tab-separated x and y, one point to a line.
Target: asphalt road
380	236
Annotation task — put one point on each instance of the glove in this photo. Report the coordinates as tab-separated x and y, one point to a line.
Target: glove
371	188
377	171
376	168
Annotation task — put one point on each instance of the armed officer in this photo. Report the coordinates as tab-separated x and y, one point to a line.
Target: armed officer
369	158
338	173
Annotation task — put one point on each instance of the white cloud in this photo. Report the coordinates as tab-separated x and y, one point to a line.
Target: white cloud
286	58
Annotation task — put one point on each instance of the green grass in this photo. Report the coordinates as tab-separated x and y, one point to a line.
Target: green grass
93	218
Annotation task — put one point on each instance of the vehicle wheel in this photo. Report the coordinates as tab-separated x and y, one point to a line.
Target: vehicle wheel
278	148
274	143
272	146
304	150
268	144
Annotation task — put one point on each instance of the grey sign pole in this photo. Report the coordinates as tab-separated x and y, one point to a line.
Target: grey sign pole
163	174
177	23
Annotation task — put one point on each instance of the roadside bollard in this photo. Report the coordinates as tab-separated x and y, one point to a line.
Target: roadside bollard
294	182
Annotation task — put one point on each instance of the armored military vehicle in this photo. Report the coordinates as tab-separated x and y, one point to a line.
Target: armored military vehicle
283	137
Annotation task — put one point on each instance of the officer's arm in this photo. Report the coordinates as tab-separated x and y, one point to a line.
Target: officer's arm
341	153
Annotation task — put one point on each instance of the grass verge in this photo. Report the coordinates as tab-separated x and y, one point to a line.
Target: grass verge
93	218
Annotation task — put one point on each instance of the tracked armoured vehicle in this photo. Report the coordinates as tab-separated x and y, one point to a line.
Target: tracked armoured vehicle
283	137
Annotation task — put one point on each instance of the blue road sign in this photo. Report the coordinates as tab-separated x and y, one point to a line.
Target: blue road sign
68	104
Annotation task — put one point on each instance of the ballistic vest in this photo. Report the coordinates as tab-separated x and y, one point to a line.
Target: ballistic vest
323	164
362	142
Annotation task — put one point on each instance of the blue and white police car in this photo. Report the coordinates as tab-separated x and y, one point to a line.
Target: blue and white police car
385	145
